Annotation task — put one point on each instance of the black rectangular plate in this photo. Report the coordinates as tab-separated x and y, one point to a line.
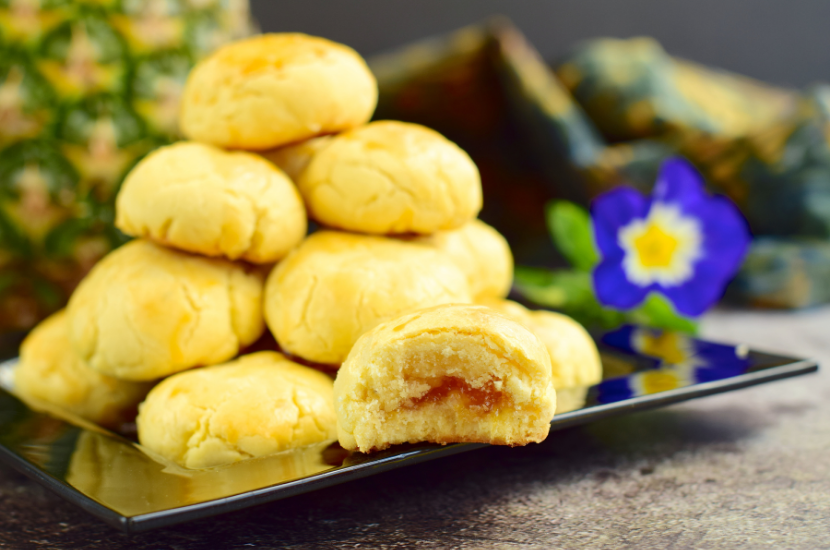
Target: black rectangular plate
112	478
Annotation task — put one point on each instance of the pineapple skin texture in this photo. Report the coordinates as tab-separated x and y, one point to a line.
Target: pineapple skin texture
86	90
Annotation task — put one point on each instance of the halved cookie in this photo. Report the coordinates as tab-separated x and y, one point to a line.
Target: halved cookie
445	374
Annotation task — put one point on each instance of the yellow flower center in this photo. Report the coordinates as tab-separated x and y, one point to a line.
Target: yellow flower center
661	248
655	247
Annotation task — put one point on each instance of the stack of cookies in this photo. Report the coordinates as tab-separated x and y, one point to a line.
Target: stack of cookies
384	290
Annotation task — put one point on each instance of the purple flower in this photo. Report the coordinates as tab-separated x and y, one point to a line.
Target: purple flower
680	242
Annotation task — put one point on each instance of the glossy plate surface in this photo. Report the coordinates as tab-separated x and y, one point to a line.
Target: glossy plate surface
111	477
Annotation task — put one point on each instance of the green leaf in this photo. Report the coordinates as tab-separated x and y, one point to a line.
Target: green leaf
570	227
656	311
569	291
533	276
556	289
48	294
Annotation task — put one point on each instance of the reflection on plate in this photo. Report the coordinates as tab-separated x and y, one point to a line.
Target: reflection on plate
98	459
571	399
680	361
116	480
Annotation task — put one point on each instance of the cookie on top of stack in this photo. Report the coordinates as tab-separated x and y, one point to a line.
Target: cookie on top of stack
278	125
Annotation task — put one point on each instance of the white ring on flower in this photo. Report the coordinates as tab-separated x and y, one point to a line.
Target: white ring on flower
661	248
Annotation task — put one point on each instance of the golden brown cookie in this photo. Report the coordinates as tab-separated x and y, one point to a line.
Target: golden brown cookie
257	405
482	254
294	159
50	372
573	353
201	199
146	311
391	177
274	89
336	286
445	374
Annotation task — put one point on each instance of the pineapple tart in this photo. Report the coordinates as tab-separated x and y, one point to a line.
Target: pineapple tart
50	372
391	178
573	355
294	159
445	374
336	286
145	312
482	254
201	199
254	406
274	89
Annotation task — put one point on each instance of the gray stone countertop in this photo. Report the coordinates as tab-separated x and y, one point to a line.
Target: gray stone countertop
746	469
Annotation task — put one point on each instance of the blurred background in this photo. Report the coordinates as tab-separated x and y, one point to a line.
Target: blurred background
547	112
781	42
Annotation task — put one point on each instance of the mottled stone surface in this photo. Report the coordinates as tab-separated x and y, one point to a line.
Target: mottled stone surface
747	469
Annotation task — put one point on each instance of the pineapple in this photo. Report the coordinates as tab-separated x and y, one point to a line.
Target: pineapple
87	87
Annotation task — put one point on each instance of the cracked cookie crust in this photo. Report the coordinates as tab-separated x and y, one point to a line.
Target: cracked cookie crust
51	372
254	406
336	286
391	177
201	199
482	253
146	311
274	89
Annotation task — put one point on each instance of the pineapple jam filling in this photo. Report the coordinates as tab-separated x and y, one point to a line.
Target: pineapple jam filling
463	378
454	389
447	374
